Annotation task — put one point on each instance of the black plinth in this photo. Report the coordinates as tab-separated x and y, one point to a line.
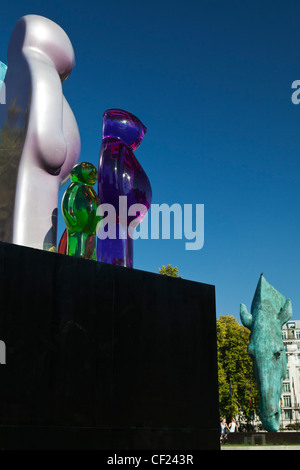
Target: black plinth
104	357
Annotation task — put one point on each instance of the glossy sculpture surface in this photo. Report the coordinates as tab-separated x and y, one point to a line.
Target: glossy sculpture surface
3	70
121	177
39	137
79	208
269	312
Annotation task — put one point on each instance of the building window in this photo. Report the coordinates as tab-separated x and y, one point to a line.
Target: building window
288	414
288	373
287	400
298	334
286	387
284	335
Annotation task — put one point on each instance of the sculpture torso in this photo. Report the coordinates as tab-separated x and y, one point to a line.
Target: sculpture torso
120	174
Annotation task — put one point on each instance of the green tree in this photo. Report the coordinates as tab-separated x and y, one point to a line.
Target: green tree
237	386
12	137
169	271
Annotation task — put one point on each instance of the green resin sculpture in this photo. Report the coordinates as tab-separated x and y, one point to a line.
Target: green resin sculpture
269	312
79	206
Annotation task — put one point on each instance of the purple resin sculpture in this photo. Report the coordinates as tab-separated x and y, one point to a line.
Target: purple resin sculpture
120	174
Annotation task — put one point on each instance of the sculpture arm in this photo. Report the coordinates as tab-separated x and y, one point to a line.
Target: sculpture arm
68	209
72	138
46	115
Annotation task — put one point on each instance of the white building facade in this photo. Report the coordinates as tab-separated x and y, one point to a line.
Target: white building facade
290	398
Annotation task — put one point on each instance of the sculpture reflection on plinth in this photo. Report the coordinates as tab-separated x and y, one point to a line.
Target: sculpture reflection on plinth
79	208
269	312
121	176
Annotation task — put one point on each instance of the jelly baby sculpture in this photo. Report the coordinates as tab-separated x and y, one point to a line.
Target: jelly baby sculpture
121	177
79	208
39	136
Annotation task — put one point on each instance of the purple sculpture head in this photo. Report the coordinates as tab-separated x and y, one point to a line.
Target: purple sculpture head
124	126
120	174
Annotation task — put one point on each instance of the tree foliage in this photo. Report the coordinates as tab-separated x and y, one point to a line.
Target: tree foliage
169	271
12	137
238	392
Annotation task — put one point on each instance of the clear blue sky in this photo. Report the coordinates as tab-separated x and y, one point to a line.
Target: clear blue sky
211	80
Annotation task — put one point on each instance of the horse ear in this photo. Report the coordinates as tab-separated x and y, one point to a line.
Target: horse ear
246	317
285	313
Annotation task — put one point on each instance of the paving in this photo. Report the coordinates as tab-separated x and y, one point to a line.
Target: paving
260	447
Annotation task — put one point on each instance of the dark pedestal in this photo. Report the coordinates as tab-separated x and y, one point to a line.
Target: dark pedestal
104	357
263	438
